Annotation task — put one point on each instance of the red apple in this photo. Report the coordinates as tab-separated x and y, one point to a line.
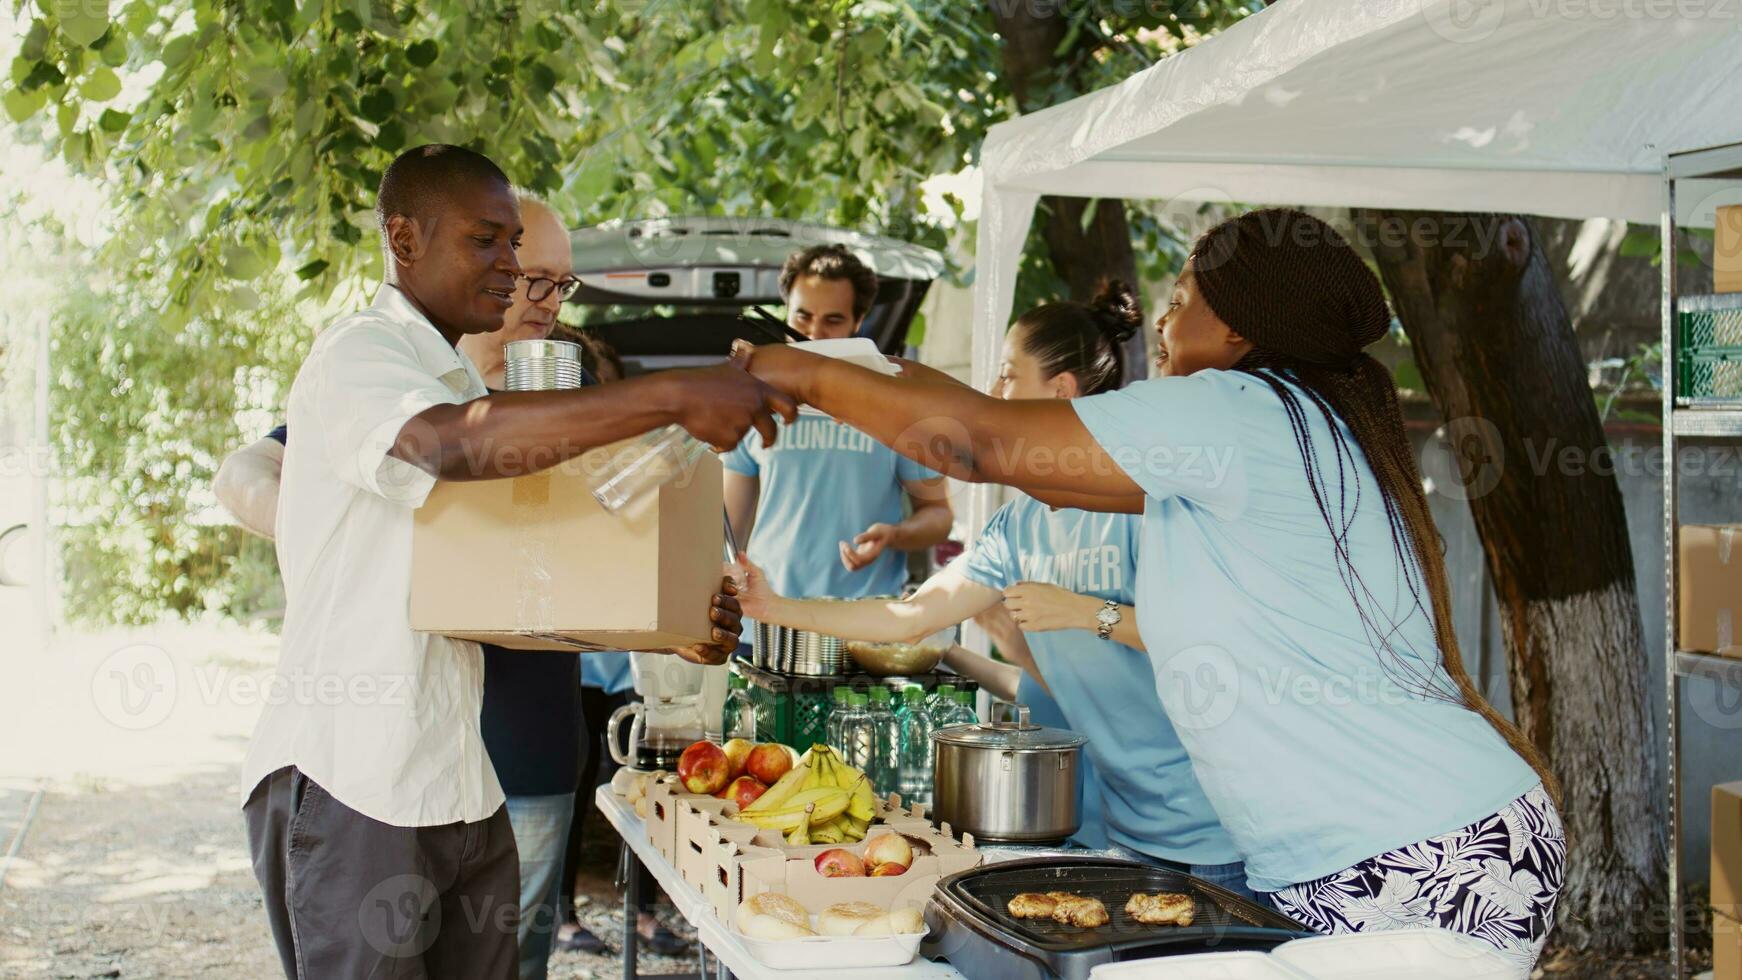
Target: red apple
743	791
888	869
888	848
768	762
703	768
838	862
737	753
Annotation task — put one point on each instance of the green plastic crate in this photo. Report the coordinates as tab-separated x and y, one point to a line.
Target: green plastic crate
1709	324
1709	377
793	709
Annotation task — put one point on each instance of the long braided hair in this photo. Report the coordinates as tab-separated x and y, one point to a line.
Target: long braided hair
1288	283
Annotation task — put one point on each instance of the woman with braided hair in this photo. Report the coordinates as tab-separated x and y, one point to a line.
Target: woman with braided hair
1291	590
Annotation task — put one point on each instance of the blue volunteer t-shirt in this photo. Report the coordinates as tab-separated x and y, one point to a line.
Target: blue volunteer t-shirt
1043	710
609	672
1151	796
1316	752
823	483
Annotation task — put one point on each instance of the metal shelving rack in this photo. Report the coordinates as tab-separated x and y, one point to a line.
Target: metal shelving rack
1681	422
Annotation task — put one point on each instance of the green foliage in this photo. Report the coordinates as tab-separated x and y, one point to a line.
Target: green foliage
243	143
142	413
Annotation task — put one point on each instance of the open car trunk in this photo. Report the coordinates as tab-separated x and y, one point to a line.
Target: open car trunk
669	292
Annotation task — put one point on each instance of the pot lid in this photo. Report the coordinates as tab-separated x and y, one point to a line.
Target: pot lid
1019	735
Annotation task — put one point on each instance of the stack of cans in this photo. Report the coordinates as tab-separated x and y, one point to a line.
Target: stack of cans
542	365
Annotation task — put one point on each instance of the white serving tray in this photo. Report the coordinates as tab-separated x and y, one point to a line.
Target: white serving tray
832	952
1418	954
856	350
1200	966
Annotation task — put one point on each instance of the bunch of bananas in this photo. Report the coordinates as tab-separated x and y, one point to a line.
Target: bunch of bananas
822	800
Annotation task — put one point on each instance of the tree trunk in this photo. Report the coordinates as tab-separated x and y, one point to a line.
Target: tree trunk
1034	68
1498	354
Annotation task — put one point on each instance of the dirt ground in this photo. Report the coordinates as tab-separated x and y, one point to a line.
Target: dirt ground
155	883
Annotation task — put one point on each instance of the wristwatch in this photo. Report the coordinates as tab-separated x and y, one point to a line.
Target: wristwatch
1107	618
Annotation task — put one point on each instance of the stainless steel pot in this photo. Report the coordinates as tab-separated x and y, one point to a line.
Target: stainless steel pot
1004	780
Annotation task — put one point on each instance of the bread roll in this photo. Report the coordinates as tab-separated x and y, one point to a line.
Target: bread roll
769	927
901	922
775	906
845	918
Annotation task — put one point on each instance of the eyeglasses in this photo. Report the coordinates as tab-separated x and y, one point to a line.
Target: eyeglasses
538	287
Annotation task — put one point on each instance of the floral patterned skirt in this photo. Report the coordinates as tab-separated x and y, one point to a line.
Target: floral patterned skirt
1496	880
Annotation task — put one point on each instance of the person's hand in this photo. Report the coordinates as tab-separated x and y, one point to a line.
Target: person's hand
868	545
728	618
1038	607
781	365
755	594
718	405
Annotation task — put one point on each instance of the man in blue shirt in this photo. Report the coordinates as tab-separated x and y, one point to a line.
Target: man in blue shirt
823	509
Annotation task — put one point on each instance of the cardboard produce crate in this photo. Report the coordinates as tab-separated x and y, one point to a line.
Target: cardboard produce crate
1709	570
794	873
1727	250
714	853
535	563
670	809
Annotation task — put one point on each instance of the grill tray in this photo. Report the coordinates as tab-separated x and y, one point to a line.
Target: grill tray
978	899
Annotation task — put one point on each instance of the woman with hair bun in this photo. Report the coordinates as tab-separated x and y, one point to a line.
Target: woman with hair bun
1291	591
1068	579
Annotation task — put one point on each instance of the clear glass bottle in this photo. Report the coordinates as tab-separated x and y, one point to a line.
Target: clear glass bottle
858	741
832	726
939	701
885	743
738	716
915	783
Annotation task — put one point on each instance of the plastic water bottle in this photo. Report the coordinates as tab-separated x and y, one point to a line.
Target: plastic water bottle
738	716
939	701
885	743
858	738
832	733
964	713
915	784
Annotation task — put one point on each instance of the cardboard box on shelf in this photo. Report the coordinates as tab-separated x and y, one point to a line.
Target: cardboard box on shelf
1727	850
1726	947
1709	577
535	563
1727	250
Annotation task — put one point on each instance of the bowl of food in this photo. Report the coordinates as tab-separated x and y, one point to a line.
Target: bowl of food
902	659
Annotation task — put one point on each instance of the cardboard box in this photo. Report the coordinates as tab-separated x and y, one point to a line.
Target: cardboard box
1727	250
1709	579
890	815
670	810
794	873
705	838
1726	947
535	563
1727	850
730	861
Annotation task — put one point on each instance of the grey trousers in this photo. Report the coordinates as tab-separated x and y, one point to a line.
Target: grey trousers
349	897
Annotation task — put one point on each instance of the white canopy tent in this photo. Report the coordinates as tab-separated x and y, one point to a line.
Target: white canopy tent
1553	107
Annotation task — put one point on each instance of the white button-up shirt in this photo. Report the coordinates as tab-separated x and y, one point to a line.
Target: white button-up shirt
384	718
